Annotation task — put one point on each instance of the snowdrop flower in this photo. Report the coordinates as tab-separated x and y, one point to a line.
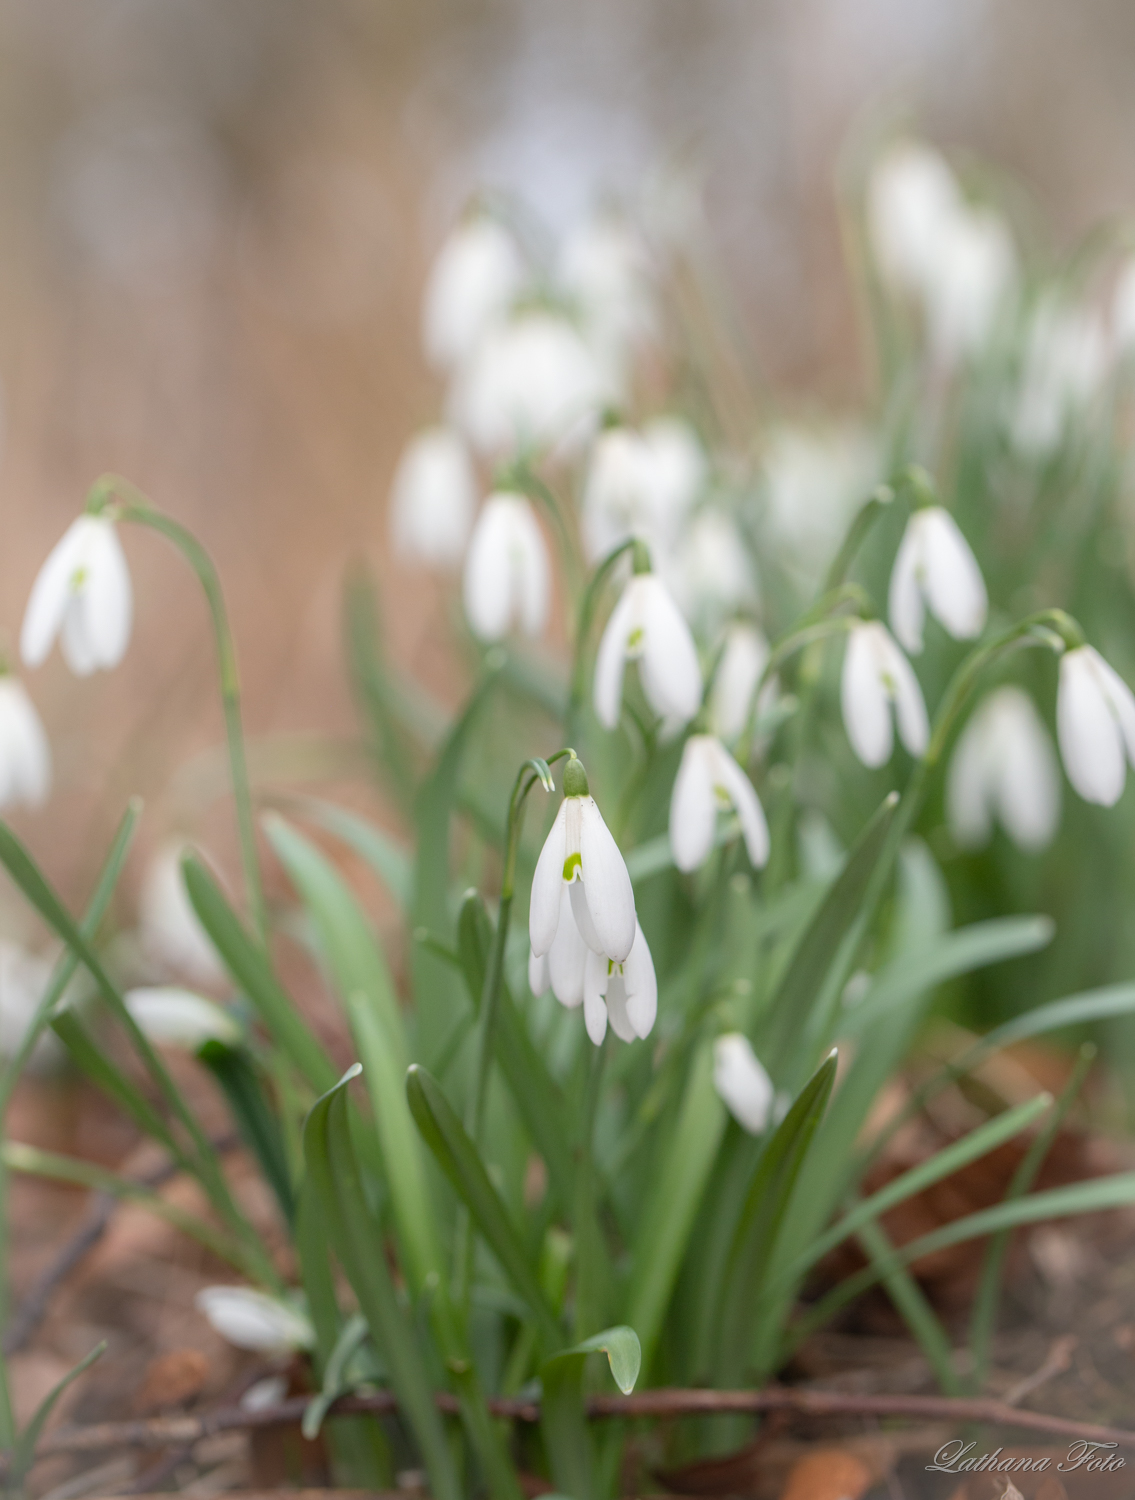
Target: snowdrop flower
815	480
83	595
507	577
709	780
581	857
742	1083
742	662
709	570
24	978
253	1320
641	484
1095	725
532	383
626	994
25	756
1066	363
1004	768
912	197
646	625
561	969
171	936
1123	309
474	281
934	566
876	675
969	284
178	1018
679	471
604	267
433	498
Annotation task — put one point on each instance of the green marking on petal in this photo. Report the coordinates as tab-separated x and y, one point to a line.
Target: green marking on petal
571	864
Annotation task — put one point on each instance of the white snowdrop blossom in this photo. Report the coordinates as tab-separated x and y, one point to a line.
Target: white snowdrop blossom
679	470
709	781
472	285
24	978
178	1018
1123	309
912	197
252	1320
742	1083
507	579
532	383
972	280
581	857
709	569
433	498
876	678
604	268
561	968
25	755
641	484
171	936
935	566
1004	769
626	994
742	663
83	595
1095	725
815	480
646	625
1067	356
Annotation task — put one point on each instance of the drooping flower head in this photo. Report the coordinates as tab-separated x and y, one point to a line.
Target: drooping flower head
741	1082
172	938
25	755
739	671
252	1320
1004	769
648	627
709	781
641	484
934	567
507	580
433	498
1095	725
83	595
477	275
876	679
174	1017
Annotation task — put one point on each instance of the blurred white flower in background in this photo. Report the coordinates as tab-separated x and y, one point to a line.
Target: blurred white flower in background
1067	359
1004	769
709	570
624	993
647	626
743	659
815	480
473	283
507	580
1123	309
975	278
641	484
912	196
252	1320
24	979
433	498
171	937
876	678
935	566
1095	725
742	1083
179	1018
25	755
604	268
531	384
710	781
83	595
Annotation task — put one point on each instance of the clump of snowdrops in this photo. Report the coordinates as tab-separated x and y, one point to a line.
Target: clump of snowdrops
677	877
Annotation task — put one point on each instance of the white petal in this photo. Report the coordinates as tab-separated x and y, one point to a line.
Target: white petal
746	803
606	883
616	998
547	883
910	709
534	572
594	1006
568	954
1091	743
172	937
538	977
1028	781
741	1082
863	699
641	986
738	672
577	894
50	593
955	589
968	798
693	808
107	595
488	579
432	498
1120	697
475	277
671	677
904	604
611	661
179	1018
251	1320
25	756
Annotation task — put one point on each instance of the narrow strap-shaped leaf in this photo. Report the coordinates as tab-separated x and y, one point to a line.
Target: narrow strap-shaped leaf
388	740
389	860
458	1157
913	1307
23	1455
822	947
562	1418
765	1204
355	1236
246	962
113	1082
259	1128
677	1186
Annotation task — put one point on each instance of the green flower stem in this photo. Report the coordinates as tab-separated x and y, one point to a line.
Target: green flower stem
130	504
590	1250
881	498
587	607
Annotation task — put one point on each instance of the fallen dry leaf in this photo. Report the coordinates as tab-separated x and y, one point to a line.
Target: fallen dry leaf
828	1474
171	1380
